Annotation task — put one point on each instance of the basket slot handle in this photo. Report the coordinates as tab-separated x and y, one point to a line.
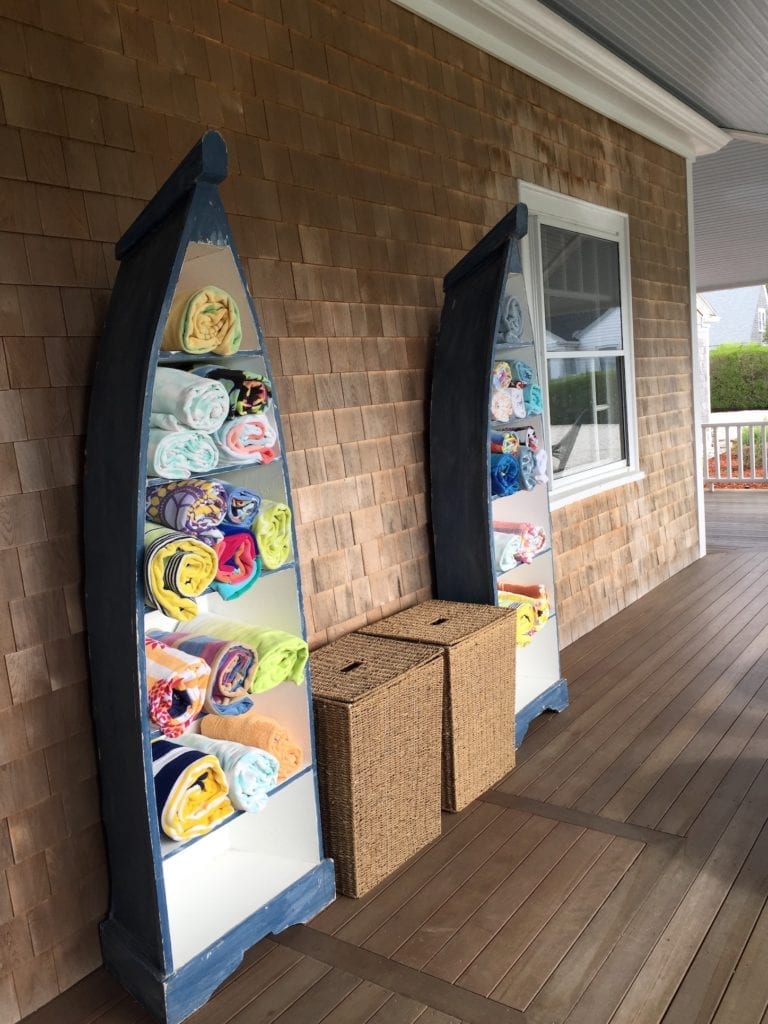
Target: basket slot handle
352	666
439	622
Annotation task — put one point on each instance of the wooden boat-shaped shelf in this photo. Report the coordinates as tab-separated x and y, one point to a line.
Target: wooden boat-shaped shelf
486	322
182	914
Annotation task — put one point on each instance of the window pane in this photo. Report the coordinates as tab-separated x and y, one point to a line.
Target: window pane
582	295
586	413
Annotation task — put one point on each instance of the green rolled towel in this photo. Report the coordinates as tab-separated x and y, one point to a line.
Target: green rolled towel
282	656
273	534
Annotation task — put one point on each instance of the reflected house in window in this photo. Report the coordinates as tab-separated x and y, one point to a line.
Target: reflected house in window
741	315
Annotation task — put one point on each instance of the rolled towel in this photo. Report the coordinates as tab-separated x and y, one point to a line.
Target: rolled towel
231	665
191	506
177	569
242	505
505	442
532	538
273	534
534	405
526	624
177	454
181	400
504	475
502	407
176	686
206	321
239	564
506	547
249	393
282	656
250	772
527	462
191	790
521	371
534	594
248	439
256	730
501	376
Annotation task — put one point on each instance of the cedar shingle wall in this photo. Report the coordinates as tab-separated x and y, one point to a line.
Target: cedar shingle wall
368	152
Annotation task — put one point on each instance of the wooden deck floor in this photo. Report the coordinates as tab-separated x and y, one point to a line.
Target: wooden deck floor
619	874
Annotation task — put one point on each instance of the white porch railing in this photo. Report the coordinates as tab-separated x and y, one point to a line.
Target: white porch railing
735	452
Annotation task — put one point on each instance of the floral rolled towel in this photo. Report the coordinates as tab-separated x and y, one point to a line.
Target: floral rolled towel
177	454
181	400
231	665
273	534
532	538
176	686
206	321
256	730
177	569
248	439
239	564
191	790
191	506
504	474
282	656
501	376
242	505
249	393
250	772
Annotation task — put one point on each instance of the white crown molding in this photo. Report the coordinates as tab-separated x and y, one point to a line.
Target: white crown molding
528	36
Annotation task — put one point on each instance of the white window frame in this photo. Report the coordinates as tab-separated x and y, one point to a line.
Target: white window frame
761	317
557	210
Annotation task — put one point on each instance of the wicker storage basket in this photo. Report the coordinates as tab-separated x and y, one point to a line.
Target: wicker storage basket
377	707
479	694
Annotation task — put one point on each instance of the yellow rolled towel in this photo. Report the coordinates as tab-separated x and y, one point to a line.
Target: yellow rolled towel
177	569
255	730
207	321
273	533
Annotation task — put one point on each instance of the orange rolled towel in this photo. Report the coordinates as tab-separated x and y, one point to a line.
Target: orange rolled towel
256	730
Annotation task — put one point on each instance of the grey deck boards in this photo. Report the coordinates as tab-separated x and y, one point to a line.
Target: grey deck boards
617	876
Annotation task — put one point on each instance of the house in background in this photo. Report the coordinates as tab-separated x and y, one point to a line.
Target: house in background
742	315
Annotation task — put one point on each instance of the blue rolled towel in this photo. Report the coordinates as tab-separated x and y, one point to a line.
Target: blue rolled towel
505	472
250	772
242	505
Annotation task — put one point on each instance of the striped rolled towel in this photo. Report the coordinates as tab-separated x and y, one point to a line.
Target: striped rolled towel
255	730
176	686
191	790
177	569
232	666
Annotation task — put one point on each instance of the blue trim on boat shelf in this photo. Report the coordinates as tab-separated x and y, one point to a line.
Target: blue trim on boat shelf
555	698
174	996
185	845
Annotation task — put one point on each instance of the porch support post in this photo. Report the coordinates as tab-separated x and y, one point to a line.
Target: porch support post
699	379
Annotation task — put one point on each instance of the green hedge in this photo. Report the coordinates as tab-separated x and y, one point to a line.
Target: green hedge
571	396
738	377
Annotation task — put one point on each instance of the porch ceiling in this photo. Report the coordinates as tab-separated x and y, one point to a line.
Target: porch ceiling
711	55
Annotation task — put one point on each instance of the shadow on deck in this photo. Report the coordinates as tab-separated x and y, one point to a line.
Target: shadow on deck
619	874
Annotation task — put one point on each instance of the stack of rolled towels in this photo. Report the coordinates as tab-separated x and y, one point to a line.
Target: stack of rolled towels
239	754
207	534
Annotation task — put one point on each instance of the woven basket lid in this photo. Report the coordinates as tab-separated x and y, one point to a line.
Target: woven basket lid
353	667
438	622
